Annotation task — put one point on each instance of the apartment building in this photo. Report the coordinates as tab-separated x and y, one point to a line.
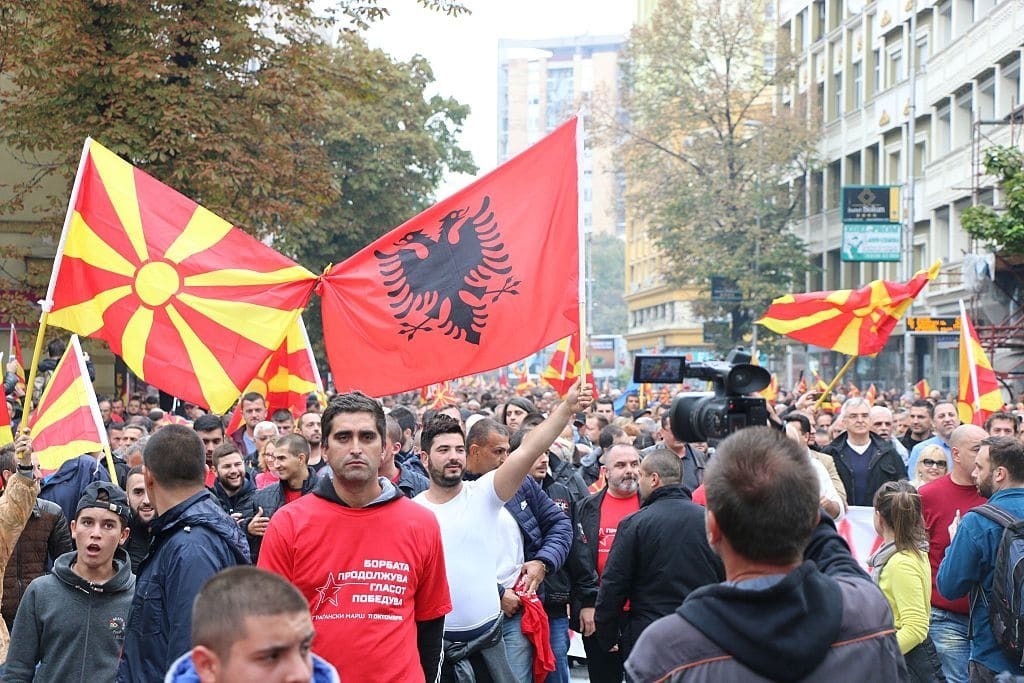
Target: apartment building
541	83
910	93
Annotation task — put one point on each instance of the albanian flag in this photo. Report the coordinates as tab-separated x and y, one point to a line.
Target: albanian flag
479	280
856	322
193	305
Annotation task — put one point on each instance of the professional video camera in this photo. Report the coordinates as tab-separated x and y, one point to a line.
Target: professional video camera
704	416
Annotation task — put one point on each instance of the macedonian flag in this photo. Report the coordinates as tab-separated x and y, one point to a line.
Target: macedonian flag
287	378
67	421
856	322
193	305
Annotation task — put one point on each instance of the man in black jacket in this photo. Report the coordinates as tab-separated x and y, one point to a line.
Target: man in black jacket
295	479
597	520
661	554
575	577
864	460
234	490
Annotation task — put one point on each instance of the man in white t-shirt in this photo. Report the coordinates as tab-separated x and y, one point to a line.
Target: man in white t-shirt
468	513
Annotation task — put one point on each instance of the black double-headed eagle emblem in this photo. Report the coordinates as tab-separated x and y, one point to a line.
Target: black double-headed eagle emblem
446	283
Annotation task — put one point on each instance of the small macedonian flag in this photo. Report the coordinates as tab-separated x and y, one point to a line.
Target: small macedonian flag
193	305
67	421
286	378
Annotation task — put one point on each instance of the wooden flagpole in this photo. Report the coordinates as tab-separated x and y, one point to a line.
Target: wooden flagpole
47	303
828	389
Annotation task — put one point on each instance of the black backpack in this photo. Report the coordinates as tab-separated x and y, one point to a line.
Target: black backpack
1006	605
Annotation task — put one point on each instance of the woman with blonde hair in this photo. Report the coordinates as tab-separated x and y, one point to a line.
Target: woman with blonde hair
932	464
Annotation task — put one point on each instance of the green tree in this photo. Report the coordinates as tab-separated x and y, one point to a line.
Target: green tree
710	154
1003	230
243	106
387	146
228	101
608	273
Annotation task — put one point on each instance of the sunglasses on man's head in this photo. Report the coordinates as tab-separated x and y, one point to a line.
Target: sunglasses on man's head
933	463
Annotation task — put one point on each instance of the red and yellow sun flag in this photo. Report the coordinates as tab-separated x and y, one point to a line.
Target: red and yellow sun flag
564	367
193	305
286	378
979	395
871	394
67	422
856	322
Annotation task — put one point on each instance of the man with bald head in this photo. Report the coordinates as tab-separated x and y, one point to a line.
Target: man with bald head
943	500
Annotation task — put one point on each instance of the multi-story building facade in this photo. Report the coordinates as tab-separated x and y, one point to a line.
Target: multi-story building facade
910	93
541	83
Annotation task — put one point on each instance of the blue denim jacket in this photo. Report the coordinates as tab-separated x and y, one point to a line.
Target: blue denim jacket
969	562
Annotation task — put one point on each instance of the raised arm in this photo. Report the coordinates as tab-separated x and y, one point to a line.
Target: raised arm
509	476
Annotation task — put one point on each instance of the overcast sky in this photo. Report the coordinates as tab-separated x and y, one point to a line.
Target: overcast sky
463	51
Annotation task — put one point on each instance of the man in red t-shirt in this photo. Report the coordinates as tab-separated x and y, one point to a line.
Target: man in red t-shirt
598	517
368	560
942	501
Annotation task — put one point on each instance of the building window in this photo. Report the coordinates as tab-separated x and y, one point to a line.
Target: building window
559	96
858	84
835	183
921	55
943	130
837	90
944	12
896	71
876	79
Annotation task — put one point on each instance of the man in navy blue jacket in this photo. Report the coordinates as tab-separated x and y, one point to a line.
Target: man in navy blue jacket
546	533
192	539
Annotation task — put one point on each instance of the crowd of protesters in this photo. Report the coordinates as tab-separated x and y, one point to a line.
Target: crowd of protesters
378	521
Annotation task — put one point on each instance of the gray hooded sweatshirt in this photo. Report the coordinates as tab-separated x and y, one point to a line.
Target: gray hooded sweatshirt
74	629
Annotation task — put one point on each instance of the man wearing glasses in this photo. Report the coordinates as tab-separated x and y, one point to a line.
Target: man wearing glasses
864	460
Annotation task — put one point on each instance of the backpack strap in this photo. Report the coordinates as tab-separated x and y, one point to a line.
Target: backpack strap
995	514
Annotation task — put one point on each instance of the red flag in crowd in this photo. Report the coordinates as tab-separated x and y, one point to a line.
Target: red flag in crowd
523	383
856	322
979	395
67	421
801	386
852	390
483	278
192	304
921	389
564	368
443	396
871	394
6	430
19	388
286	378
